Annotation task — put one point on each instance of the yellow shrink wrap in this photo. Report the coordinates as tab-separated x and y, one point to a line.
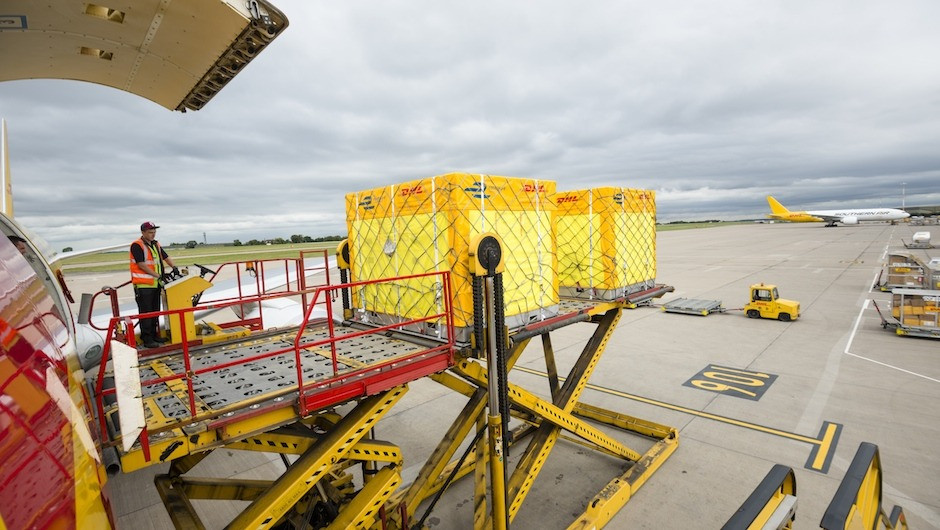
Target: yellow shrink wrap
606	240
427	225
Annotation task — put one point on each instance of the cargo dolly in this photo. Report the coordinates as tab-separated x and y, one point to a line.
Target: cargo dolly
900	327
764	302
693	306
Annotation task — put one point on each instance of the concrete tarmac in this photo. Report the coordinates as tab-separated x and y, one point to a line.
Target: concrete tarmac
744	394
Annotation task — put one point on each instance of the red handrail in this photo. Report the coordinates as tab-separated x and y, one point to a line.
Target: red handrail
300	270
297	347
111	292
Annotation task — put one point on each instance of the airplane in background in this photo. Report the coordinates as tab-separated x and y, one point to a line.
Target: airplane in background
850	216
52	469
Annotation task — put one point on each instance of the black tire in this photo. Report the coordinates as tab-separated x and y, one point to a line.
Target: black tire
753	313
784	317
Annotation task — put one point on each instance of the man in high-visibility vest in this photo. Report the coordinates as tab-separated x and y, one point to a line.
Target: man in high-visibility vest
147	269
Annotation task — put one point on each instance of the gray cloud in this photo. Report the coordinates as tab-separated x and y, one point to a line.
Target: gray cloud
712	105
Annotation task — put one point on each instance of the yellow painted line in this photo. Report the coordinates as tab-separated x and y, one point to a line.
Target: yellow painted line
823	443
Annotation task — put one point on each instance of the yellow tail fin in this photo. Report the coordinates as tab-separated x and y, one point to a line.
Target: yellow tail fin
775	206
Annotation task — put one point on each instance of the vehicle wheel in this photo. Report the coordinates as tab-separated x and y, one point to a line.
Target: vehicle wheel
784	317
753	313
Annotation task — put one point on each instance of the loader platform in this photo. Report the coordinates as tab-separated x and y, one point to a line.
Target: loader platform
193	397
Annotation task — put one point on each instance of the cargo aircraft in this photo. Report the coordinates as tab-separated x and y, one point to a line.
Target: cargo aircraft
51	472
850	216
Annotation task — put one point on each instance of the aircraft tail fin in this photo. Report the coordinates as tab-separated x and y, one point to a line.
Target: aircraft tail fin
6	185
775	206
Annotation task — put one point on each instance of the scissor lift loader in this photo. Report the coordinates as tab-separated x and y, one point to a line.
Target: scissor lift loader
318	391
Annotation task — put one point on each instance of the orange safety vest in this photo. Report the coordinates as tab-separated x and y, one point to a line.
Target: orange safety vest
139	277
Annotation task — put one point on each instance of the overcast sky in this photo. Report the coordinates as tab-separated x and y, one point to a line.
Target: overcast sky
712	104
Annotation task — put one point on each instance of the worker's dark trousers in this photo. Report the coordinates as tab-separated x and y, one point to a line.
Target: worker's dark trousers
148	301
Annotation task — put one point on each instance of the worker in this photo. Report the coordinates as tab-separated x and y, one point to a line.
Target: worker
147	260
19	242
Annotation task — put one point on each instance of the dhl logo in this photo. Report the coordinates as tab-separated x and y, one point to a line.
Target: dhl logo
413	190
567	198
366	203
532	188
477	190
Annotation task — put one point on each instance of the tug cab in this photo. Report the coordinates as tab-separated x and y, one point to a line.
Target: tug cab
765	302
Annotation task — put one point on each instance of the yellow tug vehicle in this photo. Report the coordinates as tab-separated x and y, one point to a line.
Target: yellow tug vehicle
765	302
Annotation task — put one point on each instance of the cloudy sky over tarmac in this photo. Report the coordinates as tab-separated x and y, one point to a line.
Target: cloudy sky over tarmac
713	105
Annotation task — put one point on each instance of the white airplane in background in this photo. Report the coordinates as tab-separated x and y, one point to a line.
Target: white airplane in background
849	216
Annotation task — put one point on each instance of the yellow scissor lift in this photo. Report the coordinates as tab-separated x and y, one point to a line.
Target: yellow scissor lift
240	395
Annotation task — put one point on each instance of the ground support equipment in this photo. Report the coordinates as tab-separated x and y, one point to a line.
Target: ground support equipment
888	322
317	392
281	391
543	423
693	306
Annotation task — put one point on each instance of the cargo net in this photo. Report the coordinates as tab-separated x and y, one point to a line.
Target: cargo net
606	241
427	226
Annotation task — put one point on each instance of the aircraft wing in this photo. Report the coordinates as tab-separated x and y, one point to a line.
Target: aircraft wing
59	256
827	218
273	282
177	54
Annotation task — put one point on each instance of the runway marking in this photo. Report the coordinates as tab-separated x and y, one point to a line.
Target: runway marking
732	381
858	320
823	446
848	345
893	367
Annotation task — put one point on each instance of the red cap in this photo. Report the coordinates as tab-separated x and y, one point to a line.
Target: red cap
148	226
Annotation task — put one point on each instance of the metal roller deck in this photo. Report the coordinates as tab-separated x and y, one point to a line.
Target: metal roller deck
198	396
247	386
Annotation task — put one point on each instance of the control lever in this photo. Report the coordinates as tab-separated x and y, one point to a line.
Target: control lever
204	270
202	274
170	276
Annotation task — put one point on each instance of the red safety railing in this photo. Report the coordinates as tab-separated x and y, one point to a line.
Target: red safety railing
295	276
112	294
306	406
295	273
340	386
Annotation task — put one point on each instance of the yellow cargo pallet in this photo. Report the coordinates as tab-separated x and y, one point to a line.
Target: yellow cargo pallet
428	225
606	242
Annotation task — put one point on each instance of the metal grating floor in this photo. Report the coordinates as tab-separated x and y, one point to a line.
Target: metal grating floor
274	376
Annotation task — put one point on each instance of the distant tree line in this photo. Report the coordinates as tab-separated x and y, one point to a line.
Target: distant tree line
296	238
692	222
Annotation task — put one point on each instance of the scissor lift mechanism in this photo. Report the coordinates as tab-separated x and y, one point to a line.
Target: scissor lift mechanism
245	395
